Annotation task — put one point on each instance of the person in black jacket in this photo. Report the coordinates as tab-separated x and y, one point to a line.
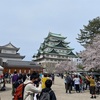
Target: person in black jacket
18	82
48	85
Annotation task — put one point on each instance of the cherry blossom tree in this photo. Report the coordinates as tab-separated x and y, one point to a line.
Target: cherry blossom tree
66	66
91	55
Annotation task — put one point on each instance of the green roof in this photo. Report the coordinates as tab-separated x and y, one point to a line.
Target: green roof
53	51
71	54
60	44
56	35
57	47
52	43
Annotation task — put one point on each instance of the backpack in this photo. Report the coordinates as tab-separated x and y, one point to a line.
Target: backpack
17	83
45	96
18	95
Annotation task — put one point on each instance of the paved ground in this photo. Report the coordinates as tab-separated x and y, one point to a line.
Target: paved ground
59	90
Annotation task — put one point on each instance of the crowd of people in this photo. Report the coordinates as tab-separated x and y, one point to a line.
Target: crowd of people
36	84
80	83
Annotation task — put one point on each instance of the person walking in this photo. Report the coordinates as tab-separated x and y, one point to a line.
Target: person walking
81	84
98	86
53	78
43	80
68	85
77	83
18	82
14	80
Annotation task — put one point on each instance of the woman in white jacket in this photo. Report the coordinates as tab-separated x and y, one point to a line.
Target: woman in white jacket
30	89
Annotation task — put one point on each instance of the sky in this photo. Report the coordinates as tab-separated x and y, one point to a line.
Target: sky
25	23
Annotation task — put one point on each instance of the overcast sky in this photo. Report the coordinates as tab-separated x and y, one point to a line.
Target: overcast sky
25	23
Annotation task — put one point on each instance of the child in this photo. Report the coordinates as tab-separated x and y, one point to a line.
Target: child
48	89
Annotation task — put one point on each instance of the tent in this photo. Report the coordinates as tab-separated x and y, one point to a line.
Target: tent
1	68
